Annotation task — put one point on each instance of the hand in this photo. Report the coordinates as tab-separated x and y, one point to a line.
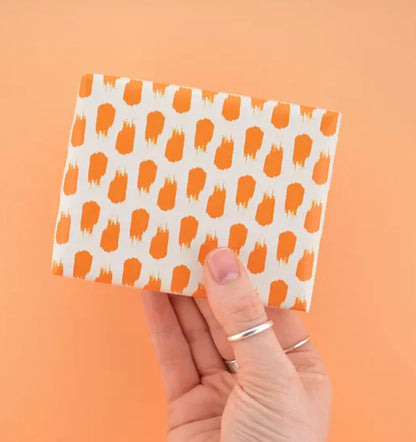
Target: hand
275	396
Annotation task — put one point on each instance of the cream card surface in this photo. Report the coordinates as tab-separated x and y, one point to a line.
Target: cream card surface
157	175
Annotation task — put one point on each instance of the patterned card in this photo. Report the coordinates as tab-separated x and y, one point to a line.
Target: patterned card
158	174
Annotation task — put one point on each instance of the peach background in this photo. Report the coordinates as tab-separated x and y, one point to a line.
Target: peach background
76	358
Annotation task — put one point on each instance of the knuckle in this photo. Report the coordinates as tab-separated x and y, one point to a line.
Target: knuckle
248	309
310	362
195	335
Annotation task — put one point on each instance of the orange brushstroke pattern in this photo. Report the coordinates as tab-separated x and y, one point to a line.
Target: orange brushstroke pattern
321	169
237	237
224	154
153	283
118	187
139	223
196	182
133	92
216	202
305	266
125	138
64	225
265	210
273	162
286	246
131	271
253	141
167	195
302	150
57	268
85	86
159	88
174	146
313	218
82	264
294	197
71	180
257	103
245	190
147	175
110	80
159	244
277	293
231	107
97	167
306	111
203	133
154	126
257	258
281	115
182	100
105	118
188	230
78	131
211	242
329	123
180	278
110	235
105	276
89	216
200	292
208	96
300	304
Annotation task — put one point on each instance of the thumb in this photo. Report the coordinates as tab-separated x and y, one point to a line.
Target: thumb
237	307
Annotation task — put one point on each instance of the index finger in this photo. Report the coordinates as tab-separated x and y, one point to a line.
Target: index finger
178	369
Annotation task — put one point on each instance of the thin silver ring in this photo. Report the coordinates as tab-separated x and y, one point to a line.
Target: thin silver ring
233	365
250	332
298	344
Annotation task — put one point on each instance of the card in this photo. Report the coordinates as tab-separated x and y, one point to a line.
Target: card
157	175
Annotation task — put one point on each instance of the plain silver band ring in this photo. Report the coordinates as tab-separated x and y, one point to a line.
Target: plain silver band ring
295	346
233	365
250	332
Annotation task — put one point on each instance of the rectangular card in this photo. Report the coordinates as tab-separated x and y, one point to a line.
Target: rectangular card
159	174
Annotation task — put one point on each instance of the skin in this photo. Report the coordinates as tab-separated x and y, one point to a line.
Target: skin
274	396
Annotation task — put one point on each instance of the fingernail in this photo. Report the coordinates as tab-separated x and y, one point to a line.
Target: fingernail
223	265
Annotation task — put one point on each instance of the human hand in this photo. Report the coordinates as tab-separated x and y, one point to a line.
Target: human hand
275	396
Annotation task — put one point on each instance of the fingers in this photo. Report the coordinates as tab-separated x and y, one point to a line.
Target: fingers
197	333
178	370
225	349
291	329
288	328
237	307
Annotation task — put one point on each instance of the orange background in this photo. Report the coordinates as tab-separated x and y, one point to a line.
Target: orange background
77	363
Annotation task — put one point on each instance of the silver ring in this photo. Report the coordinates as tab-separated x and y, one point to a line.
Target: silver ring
250	332
233	365
295	346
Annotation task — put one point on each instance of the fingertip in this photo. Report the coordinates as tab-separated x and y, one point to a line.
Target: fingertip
223	266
